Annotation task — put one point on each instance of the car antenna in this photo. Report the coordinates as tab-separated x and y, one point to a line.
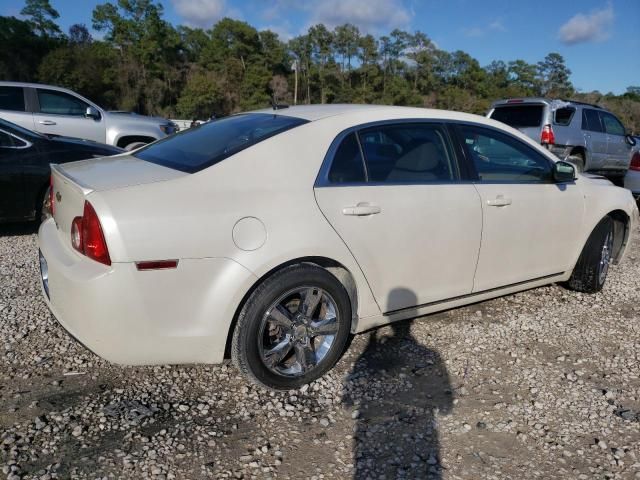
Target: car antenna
277	106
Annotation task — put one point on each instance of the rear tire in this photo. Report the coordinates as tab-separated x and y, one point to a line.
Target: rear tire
293	328
578	160
134	145
592	268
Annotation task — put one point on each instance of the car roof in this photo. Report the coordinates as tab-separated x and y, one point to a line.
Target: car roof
32	85
376	112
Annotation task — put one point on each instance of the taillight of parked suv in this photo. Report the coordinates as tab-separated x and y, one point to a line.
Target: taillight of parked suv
635	162
547	137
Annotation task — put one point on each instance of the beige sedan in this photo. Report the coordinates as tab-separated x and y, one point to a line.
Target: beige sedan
271	236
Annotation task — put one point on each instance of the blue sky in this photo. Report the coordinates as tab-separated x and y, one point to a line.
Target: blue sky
599	39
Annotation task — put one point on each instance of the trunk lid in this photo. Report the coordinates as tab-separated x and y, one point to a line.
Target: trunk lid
73	182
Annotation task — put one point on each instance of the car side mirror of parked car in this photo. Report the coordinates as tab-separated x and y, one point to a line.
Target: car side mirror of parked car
630	140
92	113
564	172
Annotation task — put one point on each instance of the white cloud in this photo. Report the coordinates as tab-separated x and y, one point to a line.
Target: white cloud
592	27
477	32
201	13
369	15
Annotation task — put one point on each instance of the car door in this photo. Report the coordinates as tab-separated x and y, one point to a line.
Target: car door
12	201
531	224
393	192
618	150
13	106
63	114
595	139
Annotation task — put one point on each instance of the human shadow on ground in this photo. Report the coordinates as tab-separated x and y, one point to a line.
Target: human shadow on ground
396	390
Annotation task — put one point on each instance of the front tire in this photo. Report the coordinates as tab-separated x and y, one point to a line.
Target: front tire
293	328
592	268
134	145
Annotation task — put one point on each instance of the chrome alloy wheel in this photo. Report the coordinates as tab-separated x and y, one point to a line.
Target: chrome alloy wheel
297	331
605	257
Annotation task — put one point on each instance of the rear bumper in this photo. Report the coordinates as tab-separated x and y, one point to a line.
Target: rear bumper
130	317
632	182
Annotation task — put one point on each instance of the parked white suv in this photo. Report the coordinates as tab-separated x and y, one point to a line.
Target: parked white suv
58	111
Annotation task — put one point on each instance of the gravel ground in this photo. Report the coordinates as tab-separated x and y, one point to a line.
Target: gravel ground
542	384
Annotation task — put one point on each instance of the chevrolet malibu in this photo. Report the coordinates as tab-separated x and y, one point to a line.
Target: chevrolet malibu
270	237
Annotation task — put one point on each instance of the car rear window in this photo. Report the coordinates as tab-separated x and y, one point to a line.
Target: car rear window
12	98
205	145
519	116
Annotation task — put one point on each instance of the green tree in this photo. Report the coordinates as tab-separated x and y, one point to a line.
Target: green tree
554	76
41	15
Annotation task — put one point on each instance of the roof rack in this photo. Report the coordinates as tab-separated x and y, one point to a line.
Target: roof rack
582	103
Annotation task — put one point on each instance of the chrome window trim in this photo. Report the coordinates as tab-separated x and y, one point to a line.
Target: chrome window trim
322	179
27	144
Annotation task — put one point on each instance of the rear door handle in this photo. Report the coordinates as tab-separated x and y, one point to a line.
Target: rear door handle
361	210
47	122
499	201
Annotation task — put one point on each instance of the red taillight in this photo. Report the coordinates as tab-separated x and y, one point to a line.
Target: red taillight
635	162
52	205
87	236
547	136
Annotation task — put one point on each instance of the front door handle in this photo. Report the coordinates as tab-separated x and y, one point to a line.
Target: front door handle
361	210
499	201
47	122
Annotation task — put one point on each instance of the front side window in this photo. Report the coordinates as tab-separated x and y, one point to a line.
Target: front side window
12	98
591	120
205	145
60	103
611	124
407	153
500	158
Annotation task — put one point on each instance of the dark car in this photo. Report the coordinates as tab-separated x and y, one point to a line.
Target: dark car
24	167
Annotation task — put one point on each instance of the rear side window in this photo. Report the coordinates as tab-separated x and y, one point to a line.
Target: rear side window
348	165
519	116
563	116
407	153
591	120
5	140
60	103
205	145
611	124
12	98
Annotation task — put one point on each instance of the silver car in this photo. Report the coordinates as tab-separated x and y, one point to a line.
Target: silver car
586	135
61	112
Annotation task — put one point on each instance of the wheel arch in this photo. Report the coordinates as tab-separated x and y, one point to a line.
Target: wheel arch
338	270
621	231
127	139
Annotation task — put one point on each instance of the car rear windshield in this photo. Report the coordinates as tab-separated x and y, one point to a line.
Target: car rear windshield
200	147
519	116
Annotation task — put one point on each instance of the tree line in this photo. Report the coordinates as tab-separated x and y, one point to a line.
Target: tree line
143	63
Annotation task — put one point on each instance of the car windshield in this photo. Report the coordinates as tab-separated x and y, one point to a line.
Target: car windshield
200	147
18	130
519	116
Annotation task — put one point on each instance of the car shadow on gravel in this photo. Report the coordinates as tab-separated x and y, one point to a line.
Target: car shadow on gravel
15	229
401	388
